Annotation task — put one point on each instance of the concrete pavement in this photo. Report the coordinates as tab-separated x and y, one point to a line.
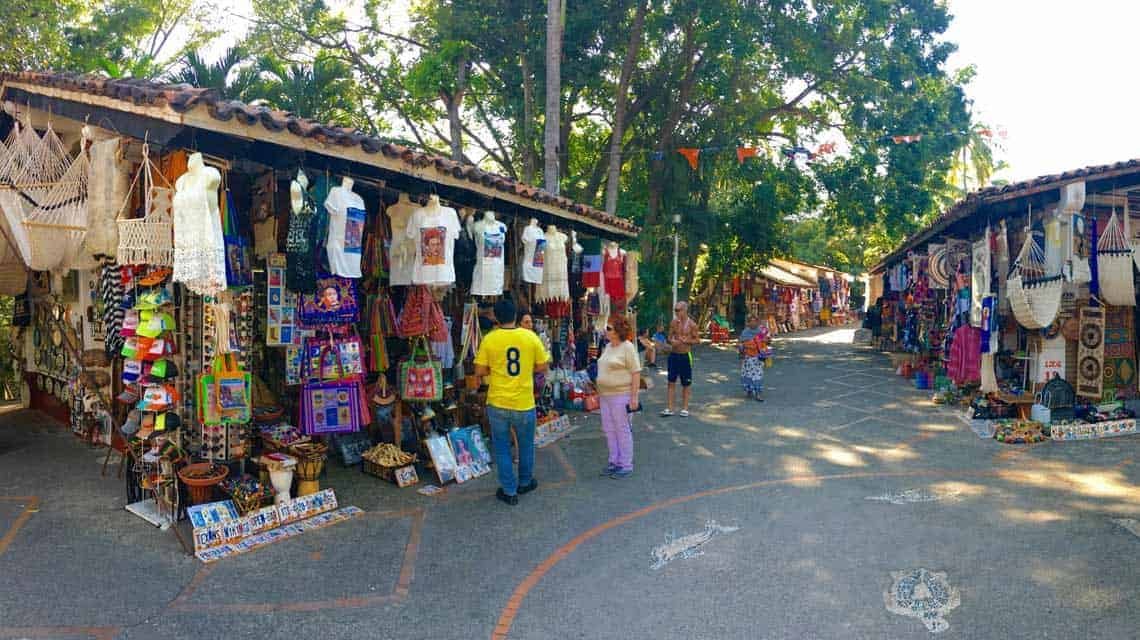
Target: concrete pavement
829	499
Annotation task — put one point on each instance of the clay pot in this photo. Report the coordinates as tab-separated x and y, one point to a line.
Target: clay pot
201	488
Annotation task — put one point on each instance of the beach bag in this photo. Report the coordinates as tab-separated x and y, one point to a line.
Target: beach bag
334	406
238	253
223	394
421	375
421	316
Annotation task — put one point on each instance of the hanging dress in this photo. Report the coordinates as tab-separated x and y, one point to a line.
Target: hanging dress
300	270
555	278
199	247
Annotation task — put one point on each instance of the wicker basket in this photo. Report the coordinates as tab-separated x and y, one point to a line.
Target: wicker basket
248	504
382	472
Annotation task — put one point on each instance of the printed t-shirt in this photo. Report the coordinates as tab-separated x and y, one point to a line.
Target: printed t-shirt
614	368
511	355
434	230
402	251
490	249
346	232
534	257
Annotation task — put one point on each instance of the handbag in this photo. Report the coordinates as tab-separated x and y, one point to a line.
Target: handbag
334	358
421	375
334	406
225	377
334	302
238	272
421	316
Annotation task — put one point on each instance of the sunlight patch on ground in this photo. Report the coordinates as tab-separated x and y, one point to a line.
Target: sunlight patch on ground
962	489
797	467
1095	483
841	456
789	432
1039	516
839	336
894	454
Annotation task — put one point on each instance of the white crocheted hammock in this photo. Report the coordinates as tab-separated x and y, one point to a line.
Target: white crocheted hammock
1114	265
44	201
149	239
1034	295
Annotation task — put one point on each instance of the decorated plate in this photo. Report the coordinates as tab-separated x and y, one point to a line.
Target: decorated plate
939	267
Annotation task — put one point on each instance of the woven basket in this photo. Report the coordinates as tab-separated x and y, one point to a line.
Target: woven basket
149	239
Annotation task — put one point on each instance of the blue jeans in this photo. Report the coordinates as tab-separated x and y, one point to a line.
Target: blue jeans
501	422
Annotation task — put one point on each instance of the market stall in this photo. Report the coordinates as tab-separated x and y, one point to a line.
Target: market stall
230	295
1019	304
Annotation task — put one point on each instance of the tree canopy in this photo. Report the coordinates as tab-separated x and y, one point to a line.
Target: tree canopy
821	89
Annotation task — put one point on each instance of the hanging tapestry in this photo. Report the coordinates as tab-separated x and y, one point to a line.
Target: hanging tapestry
938	268
1119	349
958	262
980	279
1090	353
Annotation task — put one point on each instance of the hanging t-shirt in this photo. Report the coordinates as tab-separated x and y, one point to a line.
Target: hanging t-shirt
534	255
490	248
402	250
345	242
434	230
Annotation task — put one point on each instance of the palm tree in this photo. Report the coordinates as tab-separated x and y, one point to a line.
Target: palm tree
226	75
323	90
973	167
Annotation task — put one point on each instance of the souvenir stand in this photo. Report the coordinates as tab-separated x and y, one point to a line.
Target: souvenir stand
244	310
1024	312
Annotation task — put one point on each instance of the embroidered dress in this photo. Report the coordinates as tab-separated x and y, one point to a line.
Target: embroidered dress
555	279
199	248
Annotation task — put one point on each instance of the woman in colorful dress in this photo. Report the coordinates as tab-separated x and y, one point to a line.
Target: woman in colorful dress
753	349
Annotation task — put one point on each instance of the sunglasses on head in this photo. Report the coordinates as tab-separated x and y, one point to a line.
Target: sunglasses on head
609	328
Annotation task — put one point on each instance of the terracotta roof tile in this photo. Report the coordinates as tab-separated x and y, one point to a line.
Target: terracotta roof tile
183	98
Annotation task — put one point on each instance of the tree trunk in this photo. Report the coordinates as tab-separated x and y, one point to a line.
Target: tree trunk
613	179
553	93
526	127
453	102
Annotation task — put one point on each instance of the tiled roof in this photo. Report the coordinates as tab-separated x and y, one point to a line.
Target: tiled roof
977	199
183	98
780	276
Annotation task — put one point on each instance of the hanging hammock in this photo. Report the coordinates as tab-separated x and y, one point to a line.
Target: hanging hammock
1114	265
149	239
1034	295
45	205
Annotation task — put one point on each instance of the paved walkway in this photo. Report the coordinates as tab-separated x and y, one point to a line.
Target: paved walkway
845	506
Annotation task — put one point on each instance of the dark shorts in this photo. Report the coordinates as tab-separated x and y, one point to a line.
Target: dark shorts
681	366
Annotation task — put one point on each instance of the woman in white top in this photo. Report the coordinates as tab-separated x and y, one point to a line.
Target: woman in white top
619	380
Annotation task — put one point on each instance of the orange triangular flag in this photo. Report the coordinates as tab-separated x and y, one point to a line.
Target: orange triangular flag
743	153
691	155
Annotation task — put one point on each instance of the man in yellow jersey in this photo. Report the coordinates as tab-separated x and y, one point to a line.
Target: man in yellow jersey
511	355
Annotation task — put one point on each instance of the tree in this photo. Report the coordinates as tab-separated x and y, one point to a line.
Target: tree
31	33
621	97
551	138
226	75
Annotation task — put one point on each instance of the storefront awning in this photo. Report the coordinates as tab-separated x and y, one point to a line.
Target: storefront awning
163	113
784	278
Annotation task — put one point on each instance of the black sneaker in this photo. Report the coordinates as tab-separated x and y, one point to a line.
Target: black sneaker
502	495
530	487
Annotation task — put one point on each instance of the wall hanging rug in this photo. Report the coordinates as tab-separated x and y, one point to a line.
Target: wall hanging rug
1090	353
1034	293
1114	265
980	278
149	239
958	254
1119	348
938	270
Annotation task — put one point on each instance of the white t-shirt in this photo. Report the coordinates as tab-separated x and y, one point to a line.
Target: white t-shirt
345	243
402	252
434	230
534	256
490	249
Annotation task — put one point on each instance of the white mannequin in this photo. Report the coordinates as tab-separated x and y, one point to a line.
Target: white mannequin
403	250
555	277
297	189
534	253
347	217
574	246
490	239
199	250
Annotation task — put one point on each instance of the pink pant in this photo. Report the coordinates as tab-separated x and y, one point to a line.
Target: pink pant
616	426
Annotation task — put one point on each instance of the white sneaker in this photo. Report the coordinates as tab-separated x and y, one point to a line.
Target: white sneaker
665	413
684	413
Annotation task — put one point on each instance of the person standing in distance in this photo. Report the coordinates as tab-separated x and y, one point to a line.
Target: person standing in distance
510	355
682	336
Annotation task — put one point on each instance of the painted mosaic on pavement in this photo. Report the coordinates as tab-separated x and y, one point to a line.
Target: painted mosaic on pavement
923	594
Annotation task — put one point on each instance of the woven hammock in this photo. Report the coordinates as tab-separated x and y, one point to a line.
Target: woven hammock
45	203
149	239
1034	295
1114	265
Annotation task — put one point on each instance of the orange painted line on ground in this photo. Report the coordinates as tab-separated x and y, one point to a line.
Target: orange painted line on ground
31	504
98	633
509	613
403	583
